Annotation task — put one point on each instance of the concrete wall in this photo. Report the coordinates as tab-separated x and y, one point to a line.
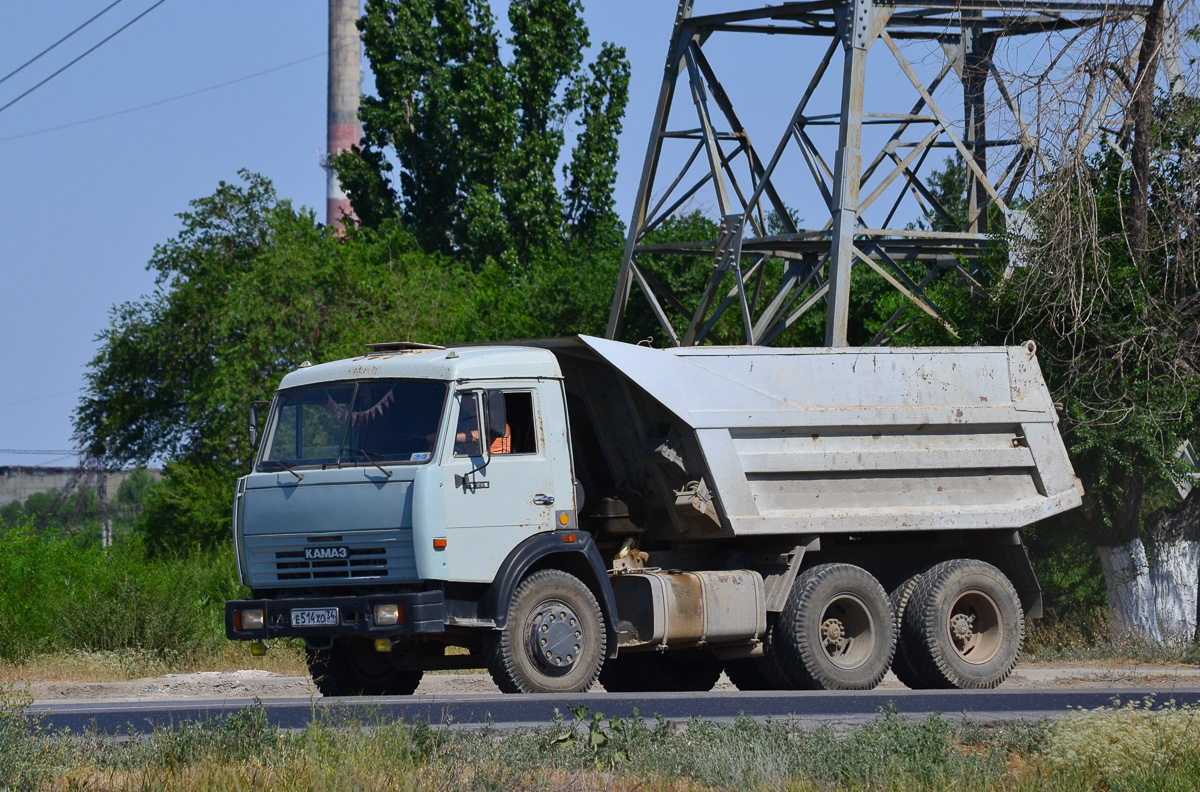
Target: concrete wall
18	482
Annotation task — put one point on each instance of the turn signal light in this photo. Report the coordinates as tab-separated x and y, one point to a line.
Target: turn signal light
570	538
439	544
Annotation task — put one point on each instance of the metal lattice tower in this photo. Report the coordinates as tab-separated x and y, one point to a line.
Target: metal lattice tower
863	227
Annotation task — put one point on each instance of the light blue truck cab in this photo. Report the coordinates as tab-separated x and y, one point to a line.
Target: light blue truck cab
575	509
376	519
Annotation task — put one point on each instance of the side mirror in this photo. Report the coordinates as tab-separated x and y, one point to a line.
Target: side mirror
497	417
252	425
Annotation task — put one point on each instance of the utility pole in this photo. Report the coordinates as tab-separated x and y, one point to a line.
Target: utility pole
343	129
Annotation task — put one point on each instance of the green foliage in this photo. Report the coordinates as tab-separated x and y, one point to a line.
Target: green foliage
476	140
191	509
67	593
29	756
1115	327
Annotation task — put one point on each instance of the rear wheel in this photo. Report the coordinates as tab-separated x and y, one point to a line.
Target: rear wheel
355	669
554	640
902	665
964	626
836	632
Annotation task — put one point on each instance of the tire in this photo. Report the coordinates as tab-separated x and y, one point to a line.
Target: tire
354	669
836	631
902	665
554	641
964	626
773	665
685	670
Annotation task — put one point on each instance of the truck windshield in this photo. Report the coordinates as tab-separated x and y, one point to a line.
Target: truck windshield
357	423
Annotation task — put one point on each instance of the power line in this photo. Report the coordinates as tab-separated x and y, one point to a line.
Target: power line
87	52
60	41
37	452
164	101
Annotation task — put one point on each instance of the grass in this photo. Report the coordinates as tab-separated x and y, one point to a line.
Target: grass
75	665
1086	636
1130	748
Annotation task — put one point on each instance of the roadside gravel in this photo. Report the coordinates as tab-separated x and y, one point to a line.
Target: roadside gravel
254	683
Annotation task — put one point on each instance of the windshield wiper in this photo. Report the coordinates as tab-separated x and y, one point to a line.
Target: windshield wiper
285	466
370	458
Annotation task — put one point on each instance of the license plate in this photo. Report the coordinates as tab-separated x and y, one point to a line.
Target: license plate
314	617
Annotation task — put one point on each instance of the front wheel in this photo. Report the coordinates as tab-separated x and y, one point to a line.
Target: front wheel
354	669
554	640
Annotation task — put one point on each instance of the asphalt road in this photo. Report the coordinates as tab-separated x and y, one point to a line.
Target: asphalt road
472	710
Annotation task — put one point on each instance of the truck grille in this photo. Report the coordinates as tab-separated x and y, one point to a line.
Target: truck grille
362	562
378	555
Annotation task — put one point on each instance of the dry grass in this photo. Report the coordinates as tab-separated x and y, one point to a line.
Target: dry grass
285	657
1086	636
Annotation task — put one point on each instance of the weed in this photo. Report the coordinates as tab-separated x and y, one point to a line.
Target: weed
1086	634
1131	745
27	753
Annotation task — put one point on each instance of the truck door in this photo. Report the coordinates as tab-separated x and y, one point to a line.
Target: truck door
522	491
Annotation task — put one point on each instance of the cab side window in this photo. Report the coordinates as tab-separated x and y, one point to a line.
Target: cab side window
522	435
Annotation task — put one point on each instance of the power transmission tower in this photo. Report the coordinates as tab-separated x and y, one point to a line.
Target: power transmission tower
1006	130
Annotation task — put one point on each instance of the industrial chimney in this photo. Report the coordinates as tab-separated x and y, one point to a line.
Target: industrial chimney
345	86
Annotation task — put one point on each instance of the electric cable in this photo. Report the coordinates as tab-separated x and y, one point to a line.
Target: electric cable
165	101
37	452
86	52
60	41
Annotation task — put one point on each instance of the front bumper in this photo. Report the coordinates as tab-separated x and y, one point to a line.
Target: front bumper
423	612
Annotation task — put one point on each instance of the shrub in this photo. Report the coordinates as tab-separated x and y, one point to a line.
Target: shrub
66	593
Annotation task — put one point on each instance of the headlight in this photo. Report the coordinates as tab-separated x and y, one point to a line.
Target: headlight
252	619
388	615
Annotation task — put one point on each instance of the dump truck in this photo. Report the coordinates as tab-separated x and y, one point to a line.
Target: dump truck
570	510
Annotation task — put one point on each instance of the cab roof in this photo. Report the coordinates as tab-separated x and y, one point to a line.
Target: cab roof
452	364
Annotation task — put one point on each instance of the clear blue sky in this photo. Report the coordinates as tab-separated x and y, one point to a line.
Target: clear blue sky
82	207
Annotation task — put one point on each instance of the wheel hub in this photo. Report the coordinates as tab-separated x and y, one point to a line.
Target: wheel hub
961	626
975	627
556	635
833	633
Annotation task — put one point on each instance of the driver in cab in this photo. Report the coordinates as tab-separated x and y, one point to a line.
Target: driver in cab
466	439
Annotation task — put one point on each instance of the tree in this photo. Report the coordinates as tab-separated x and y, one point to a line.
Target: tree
475	140
248	289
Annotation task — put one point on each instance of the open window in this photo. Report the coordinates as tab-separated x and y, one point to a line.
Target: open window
520	435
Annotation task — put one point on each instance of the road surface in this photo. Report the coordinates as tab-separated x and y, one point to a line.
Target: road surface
473	710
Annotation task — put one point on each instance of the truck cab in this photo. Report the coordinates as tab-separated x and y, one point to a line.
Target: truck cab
387	500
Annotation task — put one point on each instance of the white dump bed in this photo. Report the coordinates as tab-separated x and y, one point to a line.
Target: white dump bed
860	439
